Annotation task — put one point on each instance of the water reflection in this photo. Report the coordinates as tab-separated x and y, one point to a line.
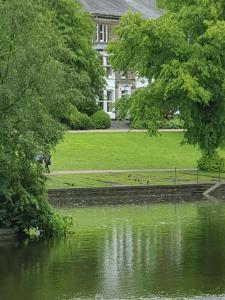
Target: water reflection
142	259
141	253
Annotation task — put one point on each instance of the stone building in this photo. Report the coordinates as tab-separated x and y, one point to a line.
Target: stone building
106	14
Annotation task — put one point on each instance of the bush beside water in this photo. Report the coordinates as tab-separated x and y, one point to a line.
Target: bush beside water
26	207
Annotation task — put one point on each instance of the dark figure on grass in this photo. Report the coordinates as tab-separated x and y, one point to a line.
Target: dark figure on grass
39	158
47	162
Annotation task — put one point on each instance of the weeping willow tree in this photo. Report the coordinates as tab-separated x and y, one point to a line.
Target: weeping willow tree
182	55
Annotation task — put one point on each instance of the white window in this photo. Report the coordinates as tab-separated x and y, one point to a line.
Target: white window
101	104
124	93
97	33
109	95
101	33
110	107
101	58
106	33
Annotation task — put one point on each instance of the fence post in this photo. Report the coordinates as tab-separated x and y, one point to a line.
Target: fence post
197	175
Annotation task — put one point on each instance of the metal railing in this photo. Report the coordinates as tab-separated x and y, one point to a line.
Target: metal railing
177	176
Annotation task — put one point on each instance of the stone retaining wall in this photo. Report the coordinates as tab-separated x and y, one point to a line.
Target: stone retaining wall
219	193
6	235
126	195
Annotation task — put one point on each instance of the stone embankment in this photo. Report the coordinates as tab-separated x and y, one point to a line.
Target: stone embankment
218	192
123	195
7	237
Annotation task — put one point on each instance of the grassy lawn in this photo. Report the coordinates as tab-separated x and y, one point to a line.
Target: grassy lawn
127	151
131	179
122	151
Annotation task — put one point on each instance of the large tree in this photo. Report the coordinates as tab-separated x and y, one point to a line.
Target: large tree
182	54
36	84
84	72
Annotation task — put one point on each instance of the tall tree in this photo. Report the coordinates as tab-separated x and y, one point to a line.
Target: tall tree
182	55
32	85
35	90
84	72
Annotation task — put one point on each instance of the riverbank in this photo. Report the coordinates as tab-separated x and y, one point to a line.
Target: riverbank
72	197
107	159
112	178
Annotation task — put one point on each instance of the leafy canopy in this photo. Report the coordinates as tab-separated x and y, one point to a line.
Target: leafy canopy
182	55
46	62
84	72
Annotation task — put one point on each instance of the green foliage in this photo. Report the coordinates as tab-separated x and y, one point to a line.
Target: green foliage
122	108
174	123
25	205
76	120
70	116
87	106
182	55
46	59
82	122
84	73
138	124
29	111
211	162
101	120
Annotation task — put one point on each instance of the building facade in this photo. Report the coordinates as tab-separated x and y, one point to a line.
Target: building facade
106	14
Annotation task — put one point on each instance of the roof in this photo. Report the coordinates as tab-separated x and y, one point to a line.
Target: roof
119	7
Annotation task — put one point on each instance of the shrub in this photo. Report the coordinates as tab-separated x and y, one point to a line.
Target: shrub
70	116
82	122
101	120
86	106
211	162
25	205
175	123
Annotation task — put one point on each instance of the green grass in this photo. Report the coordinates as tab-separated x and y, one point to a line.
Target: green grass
123	151
131	179
126	151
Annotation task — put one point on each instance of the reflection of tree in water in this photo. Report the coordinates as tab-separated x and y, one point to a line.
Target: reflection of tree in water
178	252
204	248
19	265
180	258
139	260
47	270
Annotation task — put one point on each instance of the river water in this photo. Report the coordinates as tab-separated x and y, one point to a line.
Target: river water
133	252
